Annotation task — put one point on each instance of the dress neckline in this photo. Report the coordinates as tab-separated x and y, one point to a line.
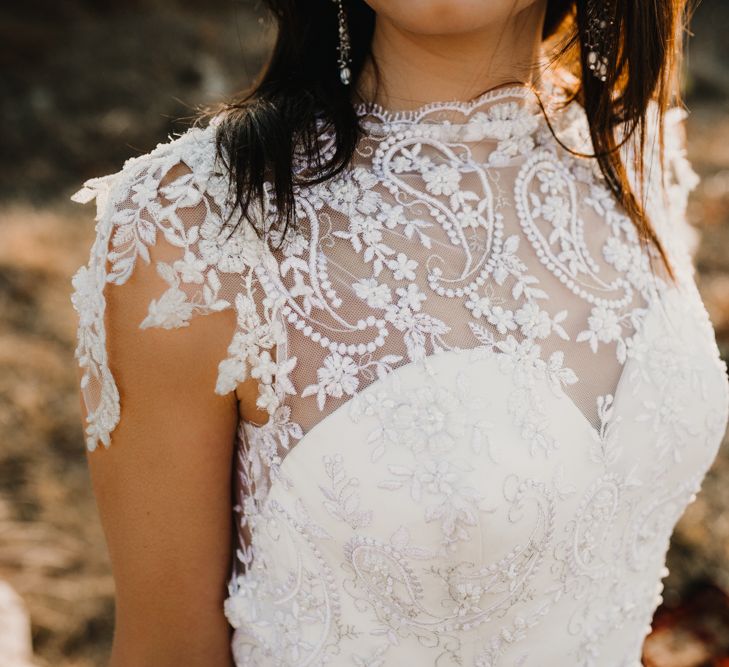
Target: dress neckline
442	111
501	113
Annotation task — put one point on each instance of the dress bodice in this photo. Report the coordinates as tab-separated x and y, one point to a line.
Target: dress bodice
488	404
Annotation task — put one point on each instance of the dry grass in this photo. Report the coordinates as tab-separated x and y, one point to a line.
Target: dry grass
51	543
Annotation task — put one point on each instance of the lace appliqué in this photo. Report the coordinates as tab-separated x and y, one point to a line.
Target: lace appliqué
175	192
486	412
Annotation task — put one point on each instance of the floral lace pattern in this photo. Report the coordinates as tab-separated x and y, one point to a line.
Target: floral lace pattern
486	411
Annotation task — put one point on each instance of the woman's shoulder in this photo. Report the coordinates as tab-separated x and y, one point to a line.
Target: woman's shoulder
176	195
195	145
146	180
166	250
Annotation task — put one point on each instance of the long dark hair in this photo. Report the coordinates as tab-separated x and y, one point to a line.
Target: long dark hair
300	86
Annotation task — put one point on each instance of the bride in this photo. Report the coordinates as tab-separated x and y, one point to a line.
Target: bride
398	358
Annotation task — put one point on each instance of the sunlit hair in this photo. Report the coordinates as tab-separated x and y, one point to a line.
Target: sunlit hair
300	82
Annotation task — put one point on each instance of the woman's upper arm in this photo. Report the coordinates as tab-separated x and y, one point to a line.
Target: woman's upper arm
164	381
163	485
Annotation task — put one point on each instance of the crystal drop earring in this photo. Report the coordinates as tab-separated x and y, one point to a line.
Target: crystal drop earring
599	19
344	46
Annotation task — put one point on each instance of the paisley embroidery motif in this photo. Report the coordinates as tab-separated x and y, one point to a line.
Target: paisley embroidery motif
485	411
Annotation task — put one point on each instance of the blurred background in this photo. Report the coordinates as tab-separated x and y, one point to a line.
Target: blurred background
85	84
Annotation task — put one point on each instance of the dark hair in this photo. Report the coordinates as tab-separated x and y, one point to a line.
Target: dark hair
300	84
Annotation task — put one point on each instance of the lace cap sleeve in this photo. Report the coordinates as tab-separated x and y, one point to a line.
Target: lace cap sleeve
670	183
680	177
167	209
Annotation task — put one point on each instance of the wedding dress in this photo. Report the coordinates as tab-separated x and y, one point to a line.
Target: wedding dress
488	403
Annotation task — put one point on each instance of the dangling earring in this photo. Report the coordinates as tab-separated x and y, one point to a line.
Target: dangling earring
599	19
344	60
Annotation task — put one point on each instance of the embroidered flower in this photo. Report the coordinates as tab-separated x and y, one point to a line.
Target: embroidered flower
253	337
337	377
469	216
401	163
402	267
525	354
438	476
377	295
229	254
512	125
604	327
551	181
417	327
143	192
502	319
442	179
353	192
410	296
363	230
557	211
264	367
533	321
617	253
429	418
478	304
190	268
467	595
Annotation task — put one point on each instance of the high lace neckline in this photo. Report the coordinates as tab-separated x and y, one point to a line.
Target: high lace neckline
434	112
494	114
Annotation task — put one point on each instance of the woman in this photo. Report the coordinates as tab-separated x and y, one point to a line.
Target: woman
418	312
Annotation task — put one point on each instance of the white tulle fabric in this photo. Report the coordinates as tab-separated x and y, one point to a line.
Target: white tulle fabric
486	411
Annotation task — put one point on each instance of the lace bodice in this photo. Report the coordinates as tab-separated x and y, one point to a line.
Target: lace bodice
486	411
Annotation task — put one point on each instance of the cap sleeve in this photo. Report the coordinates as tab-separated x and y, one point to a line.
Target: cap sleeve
680	178
166	210
669	180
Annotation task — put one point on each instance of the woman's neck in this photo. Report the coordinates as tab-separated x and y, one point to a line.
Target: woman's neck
415	69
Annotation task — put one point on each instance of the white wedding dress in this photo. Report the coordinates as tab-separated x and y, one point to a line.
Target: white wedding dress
487	412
